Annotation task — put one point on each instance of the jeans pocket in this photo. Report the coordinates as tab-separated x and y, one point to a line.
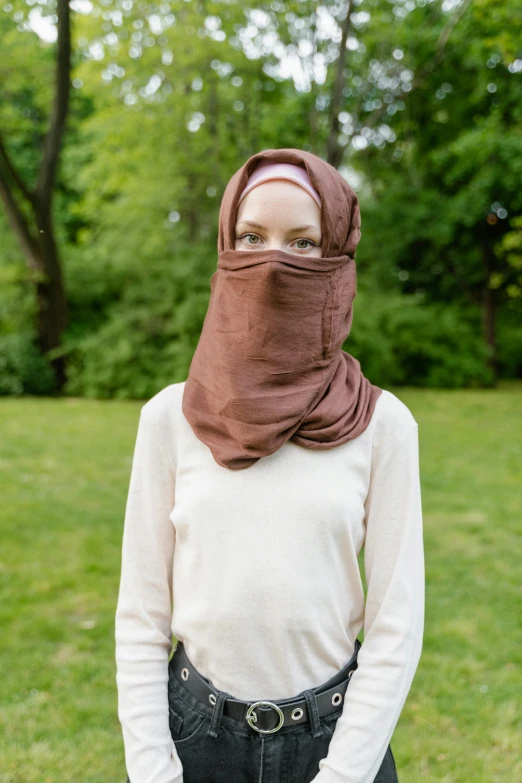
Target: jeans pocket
329	723
186	724
175	724
192	729
328	730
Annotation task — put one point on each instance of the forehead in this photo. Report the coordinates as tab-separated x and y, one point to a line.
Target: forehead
278	203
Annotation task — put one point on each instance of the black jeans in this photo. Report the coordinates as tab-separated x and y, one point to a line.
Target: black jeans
220	749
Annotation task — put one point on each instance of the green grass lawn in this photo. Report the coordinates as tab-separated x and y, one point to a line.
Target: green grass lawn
64	472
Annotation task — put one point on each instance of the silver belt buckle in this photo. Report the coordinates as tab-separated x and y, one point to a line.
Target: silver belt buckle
251	717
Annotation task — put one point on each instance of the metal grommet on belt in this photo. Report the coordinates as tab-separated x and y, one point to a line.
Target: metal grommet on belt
350	673
184	674
297	713
337	699
212	698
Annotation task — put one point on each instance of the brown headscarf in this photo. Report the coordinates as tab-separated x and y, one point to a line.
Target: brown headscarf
268	366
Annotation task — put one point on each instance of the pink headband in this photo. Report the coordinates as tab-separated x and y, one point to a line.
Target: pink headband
266	171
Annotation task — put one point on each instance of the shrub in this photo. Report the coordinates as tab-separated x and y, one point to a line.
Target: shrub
23	369
400	340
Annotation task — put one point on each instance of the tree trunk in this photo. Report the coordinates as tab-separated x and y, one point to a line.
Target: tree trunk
52	318
36	236
489	308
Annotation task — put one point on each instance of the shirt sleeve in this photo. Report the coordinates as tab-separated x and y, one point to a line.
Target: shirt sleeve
144	613
393	619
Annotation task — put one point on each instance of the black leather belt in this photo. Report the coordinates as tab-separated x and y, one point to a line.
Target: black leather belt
265	717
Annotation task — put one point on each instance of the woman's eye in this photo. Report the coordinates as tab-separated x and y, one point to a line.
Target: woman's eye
247	237
253	239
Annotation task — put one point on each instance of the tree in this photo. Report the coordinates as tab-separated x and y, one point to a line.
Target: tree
29	206
446	190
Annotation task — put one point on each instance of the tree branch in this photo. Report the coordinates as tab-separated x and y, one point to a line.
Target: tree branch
13	173
52	143
440	46
19	223
333	149
447	30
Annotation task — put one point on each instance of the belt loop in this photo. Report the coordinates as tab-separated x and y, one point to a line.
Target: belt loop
313	713
217	712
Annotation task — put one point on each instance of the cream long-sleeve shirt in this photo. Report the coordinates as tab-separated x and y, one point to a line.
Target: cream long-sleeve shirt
256	572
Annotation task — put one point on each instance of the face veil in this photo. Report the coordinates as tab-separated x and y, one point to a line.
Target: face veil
268	366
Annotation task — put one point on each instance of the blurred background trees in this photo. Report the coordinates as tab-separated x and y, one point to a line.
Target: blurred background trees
417	103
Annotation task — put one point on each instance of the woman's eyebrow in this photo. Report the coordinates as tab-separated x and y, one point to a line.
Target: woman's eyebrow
291	230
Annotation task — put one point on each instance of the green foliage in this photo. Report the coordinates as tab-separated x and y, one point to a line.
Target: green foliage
147	337
510	249
26	88
23	369
401	340
510	342
447	190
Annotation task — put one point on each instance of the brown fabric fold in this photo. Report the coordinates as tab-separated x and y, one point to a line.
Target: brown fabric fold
268	366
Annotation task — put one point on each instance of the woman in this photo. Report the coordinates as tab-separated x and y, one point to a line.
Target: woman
254	485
